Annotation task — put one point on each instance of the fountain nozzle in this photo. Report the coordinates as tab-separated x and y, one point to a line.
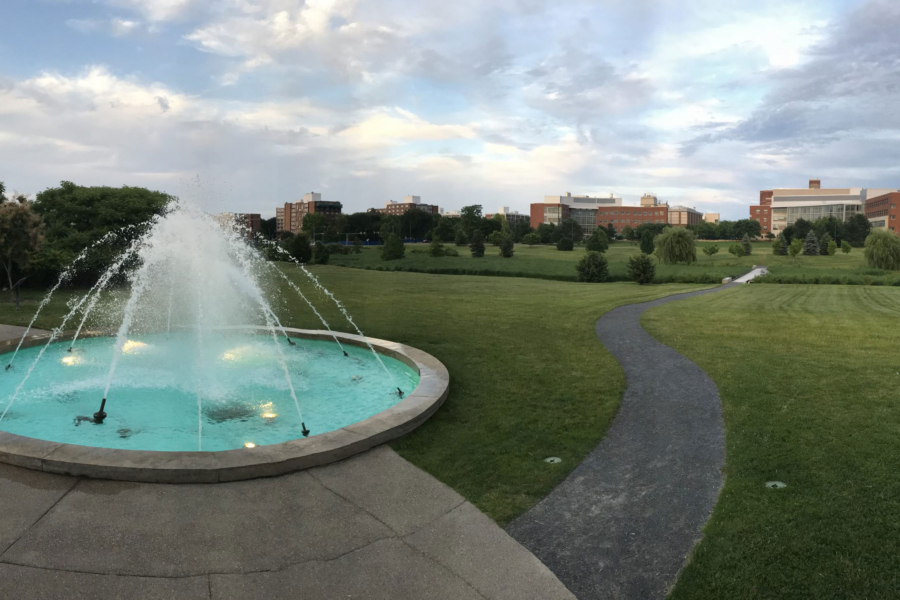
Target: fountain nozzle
70	349
345	353
291	342
100	415
399	392
304	431
8	367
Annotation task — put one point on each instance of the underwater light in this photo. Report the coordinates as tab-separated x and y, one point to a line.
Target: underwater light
249	445
132	345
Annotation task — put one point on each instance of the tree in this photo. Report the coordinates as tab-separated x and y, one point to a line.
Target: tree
365	224
447	230
571	229
417	223
832	248
496	237
461	238
2	192
811	244
780	245
21	236
470	218
857	229
298	247
520	230
845	247
770	236
824	240
736	249
598	242
76	217
565	244
710	250
477	245
314	223
267	228
795	248
545	232
641	269
628	233
610	231
747	227
532	239
506	247
675	245
436	249
746	245
882	250
357	245
321	254
802	227
394	248
647	242
592	268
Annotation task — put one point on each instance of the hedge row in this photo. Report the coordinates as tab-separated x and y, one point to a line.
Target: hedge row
825	280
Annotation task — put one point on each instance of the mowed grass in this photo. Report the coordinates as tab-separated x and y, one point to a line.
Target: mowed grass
529	379
549	263
809	379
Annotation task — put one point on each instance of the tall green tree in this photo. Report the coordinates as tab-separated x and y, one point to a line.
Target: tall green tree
647	242
477	244
857	229
394	248
506	247
811	244
447	229
520	230
314	224
471	218
546	232
675	245
824	240
628	233
21	236
598	242
610	231
298	247
746	246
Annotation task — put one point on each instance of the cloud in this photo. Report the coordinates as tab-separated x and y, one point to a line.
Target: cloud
116	26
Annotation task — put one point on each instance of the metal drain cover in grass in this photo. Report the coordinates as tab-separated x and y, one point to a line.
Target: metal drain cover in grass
775	485
553	460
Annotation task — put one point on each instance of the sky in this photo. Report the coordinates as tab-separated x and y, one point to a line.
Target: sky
243	105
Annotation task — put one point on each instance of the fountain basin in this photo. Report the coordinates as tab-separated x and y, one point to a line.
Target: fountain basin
244	463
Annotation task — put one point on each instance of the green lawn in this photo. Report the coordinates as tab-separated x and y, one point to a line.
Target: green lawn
529	379
809	381
549	263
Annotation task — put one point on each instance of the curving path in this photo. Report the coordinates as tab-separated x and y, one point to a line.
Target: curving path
623	522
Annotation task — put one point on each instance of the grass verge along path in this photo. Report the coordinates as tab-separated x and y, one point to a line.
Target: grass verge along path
808	377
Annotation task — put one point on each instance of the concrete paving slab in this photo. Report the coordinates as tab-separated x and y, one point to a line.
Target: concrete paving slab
385	570
12	332
471	545
25	495
390	488
27	583
179	530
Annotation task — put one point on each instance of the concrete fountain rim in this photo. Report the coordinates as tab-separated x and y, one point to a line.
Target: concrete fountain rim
156	466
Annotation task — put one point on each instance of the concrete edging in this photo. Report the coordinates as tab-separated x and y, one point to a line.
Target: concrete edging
234	465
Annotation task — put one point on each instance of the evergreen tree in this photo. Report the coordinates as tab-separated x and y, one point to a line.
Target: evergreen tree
598	242
507	247
357	246
436	249
321	254
823	244
647	242
641	269
477	245
592	268
565	244
461	238
811	244
784	245
746	246
394	248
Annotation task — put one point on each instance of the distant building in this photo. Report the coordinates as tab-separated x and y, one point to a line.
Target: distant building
512	217
882	210
250	222
682	216
453	214
632	216
409	203
290	216
711	218
649	200
781	207
584	210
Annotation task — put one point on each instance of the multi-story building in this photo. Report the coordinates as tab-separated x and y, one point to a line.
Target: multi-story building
453	214
649	200
290	216
882	210
251	223
682	216
512	217
409	203
781	207
584	210
632	216
711	218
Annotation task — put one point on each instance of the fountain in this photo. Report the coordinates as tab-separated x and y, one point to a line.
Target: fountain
191	376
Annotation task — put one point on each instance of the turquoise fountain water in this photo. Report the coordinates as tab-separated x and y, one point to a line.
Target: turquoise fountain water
199	359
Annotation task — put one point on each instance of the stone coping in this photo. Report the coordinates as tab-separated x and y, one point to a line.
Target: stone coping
244	463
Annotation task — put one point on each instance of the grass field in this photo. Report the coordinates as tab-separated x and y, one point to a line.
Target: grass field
529	379
549	263
809	377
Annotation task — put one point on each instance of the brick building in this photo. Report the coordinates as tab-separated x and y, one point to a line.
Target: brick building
584	210
290	216
409	203
631	216
250	222
882	211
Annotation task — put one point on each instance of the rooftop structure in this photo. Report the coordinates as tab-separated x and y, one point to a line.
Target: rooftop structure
682	216
392	207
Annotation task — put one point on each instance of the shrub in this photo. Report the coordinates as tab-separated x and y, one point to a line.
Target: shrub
477	245
832	248
736	250
845	247
882	249
450	252
496	237
532	239
795	248
811	244
675	245
641	269
746	245
436	249
461	238
710	250
780	245
506	247
565	244
647	242
394	248
598	242
357	246
824	241
592	268
321	254
298	247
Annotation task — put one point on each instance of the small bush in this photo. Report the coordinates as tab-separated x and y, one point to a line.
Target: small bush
357	246
565	244
436	249
496	238
321	254
845	247
507	247
461	238
641	269
710	250
598	242
532	239
832	248
592	268
736	250
393	249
